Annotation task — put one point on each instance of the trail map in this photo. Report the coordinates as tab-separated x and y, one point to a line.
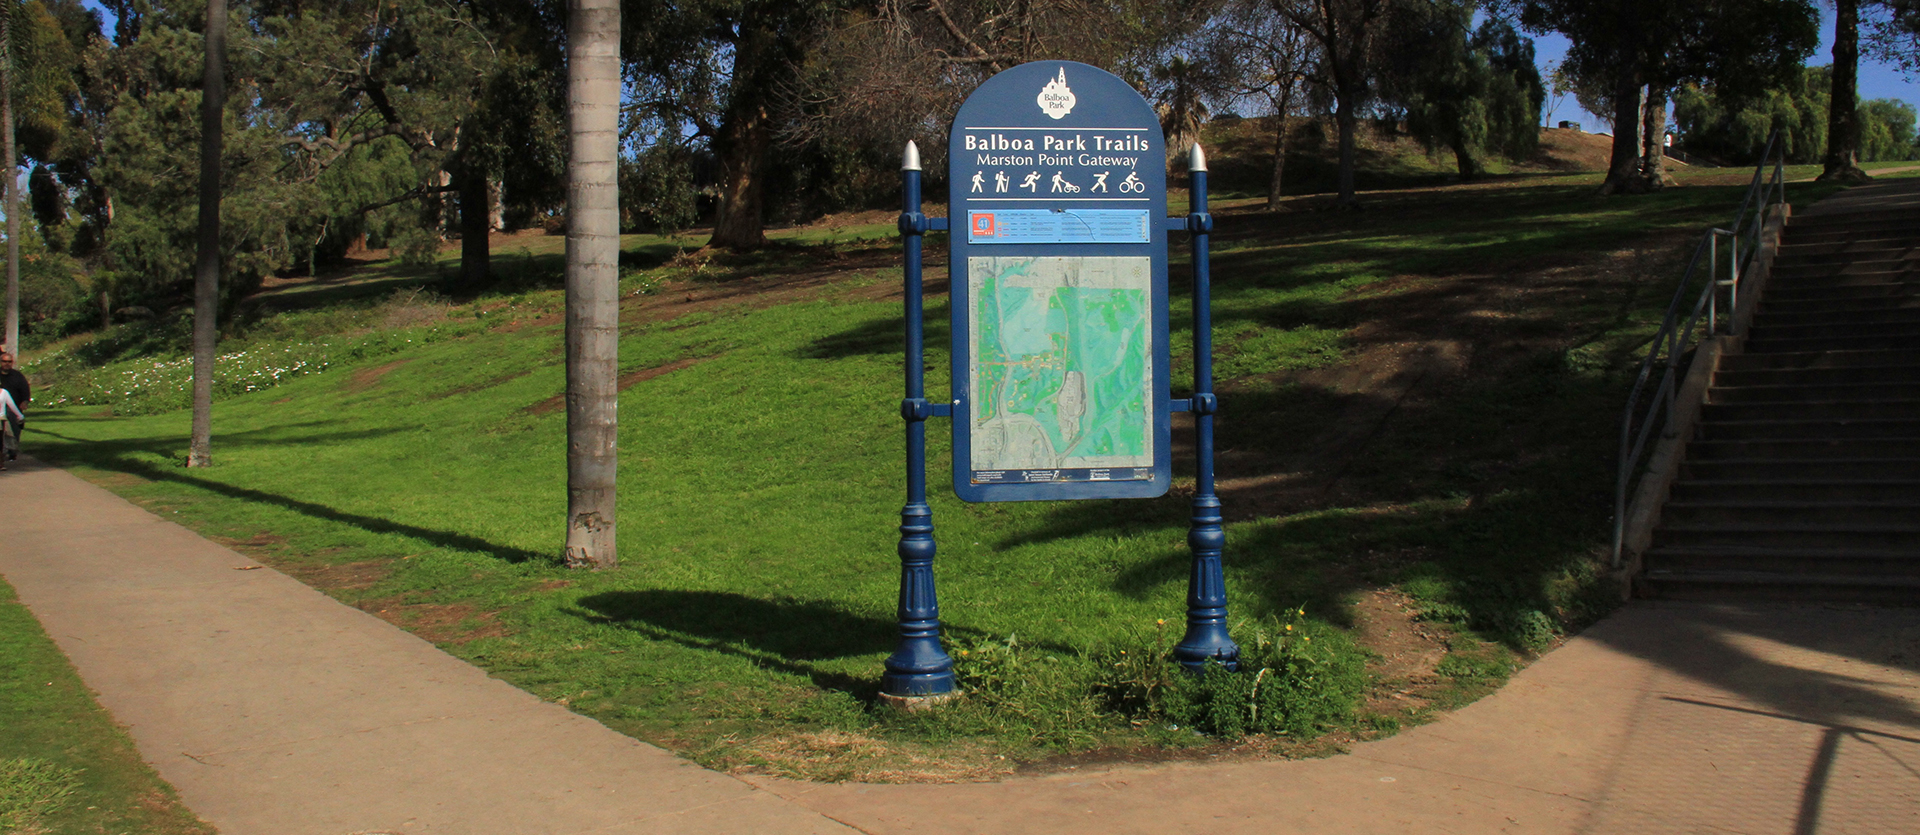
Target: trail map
1061	369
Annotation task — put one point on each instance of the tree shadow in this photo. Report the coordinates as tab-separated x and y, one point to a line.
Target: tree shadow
113	456
1725	647
788	635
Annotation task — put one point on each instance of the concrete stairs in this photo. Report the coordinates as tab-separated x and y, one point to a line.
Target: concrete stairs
1803	478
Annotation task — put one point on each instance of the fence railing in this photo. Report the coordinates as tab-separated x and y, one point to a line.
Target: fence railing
1650	409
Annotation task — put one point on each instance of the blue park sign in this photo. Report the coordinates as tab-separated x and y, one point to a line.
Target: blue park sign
1057	191
1057	220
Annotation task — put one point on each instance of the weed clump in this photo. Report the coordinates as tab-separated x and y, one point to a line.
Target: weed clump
1286	683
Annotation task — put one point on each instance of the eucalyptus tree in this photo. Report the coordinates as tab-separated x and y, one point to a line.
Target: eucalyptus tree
1349	36
1470	92
717	72
206	278
1643	49
1257	53
1893	34
593	280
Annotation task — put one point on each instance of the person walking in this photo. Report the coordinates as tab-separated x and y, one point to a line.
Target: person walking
9	443
21	393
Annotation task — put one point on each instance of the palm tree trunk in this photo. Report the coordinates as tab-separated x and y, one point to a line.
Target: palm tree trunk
206	272
12	184
1843	106
593	261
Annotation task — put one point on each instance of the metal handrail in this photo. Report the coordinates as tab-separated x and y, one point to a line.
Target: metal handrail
1678	337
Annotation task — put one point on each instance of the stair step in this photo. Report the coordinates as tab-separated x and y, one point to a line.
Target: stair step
1724	512
1762	344
1879	313
1809	410
1890	563
1888	323
1763	585
1702	491
1852	288
1855	224
1811	308
1803	450
1759	469
1812	392
1848	245
1858	272
1887	432
1889	538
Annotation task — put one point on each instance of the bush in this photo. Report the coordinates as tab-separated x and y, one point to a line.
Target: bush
1285	684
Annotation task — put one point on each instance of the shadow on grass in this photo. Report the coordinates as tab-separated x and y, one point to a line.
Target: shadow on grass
785	635
107	455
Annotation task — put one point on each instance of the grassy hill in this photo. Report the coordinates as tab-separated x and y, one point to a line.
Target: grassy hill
1418	413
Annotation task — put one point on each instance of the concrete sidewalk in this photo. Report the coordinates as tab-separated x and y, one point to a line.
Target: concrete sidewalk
277	711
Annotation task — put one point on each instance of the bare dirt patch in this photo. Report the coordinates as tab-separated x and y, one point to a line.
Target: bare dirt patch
351	576
1407	651
441	623
365	378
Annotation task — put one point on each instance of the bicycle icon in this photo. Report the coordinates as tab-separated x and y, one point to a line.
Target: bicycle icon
1132	184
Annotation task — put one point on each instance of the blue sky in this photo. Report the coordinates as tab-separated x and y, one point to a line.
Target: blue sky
1877	80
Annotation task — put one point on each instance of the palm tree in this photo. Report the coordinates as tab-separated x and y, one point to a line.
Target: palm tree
12	184
593	295
1181	105
206	271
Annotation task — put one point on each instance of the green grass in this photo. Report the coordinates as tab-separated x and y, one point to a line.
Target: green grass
65	767
760	485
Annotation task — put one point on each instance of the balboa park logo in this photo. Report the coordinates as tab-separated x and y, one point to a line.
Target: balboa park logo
1056	99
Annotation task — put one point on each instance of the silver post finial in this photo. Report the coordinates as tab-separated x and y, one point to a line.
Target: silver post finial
1197	159
910	161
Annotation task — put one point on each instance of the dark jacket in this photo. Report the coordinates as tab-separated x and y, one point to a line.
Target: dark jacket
16	384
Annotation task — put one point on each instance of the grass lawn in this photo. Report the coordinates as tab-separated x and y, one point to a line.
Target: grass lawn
1419	405
65	767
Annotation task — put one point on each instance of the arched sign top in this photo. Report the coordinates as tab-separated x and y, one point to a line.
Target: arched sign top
1058	194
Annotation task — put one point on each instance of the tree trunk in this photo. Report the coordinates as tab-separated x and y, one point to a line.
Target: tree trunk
206	272
1623	168
739	221
1653	141
593	290
476	211
12	184
1348	122
1843	108
1279	160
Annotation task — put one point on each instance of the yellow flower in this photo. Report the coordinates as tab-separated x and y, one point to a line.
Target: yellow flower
1289	627
1160	622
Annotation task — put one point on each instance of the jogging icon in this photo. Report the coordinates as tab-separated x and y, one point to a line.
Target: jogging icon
1132	183
1032	182
1060	184
1100	181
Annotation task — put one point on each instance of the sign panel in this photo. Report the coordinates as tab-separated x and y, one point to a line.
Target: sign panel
1057	169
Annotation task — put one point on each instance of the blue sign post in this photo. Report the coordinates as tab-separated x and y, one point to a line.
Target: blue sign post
1057	205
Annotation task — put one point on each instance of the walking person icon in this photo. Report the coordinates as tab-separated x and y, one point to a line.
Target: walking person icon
1032	182
1000	182
1100	181
979	181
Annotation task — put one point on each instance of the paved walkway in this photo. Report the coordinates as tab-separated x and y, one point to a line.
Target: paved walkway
277	711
